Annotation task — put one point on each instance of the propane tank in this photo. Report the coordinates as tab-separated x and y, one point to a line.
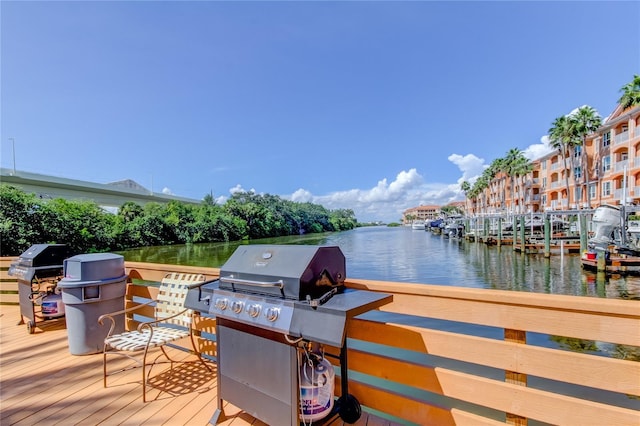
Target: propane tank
52	306
317	381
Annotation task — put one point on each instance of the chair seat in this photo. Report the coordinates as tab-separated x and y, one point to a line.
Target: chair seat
137	340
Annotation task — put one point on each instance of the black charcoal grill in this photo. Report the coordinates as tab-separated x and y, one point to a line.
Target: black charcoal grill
271	302
37	271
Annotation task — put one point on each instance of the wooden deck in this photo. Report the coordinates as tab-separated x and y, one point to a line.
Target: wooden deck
42	383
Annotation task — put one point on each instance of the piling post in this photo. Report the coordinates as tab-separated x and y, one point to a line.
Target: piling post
485	231
523	240
547	236
514	232
499	232
582	217
601	261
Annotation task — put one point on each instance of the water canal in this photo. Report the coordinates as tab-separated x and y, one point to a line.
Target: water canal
405	255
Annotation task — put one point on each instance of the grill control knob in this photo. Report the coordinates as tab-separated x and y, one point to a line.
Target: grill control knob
221	304
236	306
254	310
272	314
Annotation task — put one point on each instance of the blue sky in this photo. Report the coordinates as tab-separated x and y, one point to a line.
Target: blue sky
373	106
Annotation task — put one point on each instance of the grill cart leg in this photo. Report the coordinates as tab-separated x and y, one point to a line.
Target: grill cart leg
348	406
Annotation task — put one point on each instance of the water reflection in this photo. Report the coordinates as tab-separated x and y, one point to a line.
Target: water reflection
405	255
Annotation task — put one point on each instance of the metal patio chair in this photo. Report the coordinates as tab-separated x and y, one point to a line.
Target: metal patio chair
172	322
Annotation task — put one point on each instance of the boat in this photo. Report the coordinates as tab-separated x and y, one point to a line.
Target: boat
434	225
454	229
418	225
616	241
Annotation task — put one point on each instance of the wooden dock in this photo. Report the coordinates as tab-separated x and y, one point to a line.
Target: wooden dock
402	368
42	383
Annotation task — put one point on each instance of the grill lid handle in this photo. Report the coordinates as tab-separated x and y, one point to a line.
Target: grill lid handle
262	284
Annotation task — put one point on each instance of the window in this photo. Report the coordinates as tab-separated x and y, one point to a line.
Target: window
544	199
592	191
578	193
543	165
577	151
606	163
606	139
577	172
544	182
624	156
606	189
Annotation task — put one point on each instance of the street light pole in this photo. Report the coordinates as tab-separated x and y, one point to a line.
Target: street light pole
13	149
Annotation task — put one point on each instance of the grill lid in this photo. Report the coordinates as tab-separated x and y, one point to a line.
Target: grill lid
41	260
286	271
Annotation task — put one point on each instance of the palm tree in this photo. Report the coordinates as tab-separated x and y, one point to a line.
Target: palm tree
523	167
465	187
516	165
495	186
561	137
585	121
630	93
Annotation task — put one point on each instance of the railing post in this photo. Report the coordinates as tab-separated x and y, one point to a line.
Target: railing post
520	337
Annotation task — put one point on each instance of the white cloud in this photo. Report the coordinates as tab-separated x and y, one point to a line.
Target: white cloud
387	200
166	191
470	166
535	151
239	188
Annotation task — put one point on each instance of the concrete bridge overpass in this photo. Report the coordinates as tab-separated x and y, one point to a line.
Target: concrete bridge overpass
111	195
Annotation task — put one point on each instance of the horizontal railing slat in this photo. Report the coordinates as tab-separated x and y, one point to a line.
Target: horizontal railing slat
9	299
568	322
582	369
532	403
9	286
400	406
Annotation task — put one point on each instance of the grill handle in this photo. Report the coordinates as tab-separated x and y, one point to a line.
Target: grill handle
262	284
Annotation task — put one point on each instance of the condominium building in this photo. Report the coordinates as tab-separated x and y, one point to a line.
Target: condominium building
612	156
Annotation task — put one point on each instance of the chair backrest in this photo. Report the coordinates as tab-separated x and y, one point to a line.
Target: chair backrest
172	294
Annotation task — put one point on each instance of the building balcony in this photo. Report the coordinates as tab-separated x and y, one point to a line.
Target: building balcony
621	138
620	165
559	204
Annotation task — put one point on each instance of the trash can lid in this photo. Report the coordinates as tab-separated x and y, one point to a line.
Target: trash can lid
75	282
94	266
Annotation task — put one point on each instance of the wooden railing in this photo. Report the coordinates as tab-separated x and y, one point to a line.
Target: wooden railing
415	360
8	285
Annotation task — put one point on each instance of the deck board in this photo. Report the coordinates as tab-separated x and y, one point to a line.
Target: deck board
42	383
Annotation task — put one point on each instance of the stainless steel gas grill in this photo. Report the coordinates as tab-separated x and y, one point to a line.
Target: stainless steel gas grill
276	306
38	271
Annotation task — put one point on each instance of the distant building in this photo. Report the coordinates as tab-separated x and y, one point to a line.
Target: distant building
420	213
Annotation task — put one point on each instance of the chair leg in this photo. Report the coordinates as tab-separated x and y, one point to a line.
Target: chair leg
104	367
144	376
